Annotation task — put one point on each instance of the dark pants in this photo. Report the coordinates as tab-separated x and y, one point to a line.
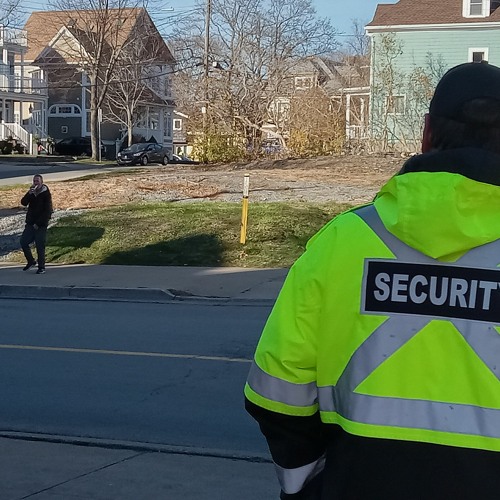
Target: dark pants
39	236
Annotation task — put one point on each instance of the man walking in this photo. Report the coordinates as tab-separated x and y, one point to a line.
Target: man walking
39	202
377	375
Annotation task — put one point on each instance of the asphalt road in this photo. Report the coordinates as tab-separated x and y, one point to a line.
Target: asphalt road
9	170
156	373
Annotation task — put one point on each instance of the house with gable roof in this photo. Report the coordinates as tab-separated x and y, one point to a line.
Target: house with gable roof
21	89
413	43
59	44
342	83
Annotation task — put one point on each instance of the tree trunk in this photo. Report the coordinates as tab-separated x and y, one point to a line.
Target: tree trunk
94	118
129	127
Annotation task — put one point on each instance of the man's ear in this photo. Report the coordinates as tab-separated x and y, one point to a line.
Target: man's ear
426	138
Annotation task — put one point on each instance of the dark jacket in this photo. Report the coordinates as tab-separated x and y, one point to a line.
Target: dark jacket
39	207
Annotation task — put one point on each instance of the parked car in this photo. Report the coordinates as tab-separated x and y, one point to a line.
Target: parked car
183	159
271	146
76	146
143	153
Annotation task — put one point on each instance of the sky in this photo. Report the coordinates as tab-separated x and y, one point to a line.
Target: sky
340	12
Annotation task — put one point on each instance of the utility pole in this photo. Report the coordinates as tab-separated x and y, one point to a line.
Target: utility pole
208	15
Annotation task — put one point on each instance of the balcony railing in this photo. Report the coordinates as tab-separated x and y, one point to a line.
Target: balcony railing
13	36
26	85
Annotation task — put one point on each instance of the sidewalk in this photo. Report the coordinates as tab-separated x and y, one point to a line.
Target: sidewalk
143	283
59	468
57	471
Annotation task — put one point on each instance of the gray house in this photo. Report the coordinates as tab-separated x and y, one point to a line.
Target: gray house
60	45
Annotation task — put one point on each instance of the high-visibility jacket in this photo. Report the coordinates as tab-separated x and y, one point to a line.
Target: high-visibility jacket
387	331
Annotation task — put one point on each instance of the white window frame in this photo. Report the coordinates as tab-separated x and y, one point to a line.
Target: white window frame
485	8
55	110
177	123
304	82
399	96
484	50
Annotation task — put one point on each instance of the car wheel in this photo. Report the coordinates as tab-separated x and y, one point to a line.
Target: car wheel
144	160
165	160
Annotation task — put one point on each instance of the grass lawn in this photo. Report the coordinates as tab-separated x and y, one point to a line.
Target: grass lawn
192	234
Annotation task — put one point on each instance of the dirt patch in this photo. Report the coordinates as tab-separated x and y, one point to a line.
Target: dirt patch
343	179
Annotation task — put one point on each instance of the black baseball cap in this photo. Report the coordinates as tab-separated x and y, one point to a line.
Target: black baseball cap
462	84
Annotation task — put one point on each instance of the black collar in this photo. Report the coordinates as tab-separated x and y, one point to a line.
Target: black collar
476	164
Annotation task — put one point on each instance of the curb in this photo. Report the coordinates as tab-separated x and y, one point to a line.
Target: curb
152	295
76	293
36	159
136	446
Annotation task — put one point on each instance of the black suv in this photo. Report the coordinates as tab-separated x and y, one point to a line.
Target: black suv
143	153
76	146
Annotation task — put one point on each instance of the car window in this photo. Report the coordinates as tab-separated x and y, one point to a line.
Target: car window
137	147
158	147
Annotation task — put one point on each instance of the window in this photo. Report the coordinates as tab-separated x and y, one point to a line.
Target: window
177	124
142	118
64	110
478	55
476	8
395	104
167	124
303	83
154	119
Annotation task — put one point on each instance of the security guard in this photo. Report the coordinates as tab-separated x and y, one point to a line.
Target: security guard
377	374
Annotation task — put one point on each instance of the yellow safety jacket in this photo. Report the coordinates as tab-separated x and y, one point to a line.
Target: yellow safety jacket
389	324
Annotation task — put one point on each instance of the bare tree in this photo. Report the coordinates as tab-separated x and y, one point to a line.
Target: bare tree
91	36
9	13
254	46
317	124
357	43
400	98
137	79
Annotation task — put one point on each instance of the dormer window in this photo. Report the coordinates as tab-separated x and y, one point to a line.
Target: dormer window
476	8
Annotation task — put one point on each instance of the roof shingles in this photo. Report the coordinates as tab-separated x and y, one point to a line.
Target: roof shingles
411	12
43	26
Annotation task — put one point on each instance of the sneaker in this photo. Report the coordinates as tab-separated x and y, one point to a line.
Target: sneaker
41	271
29	265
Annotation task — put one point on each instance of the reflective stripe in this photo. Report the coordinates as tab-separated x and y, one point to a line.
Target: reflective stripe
281	391
411	413
293	480
401	250
487	255
398	412
378	347
484	340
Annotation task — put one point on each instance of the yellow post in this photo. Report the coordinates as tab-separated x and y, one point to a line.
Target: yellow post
244	210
